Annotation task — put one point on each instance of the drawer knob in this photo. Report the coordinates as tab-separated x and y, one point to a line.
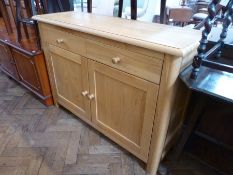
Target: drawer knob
59	41
116	60
91	96
84	93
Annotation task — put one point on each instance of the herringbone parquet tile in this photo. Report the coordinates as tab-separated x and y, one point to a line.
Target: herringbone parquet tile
36	140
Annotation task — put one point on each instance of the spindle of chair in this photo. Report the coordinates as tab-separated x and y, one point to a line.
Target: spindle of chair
60	5
202	57
26	21
133	9
44	6
5	16
226	23
89	6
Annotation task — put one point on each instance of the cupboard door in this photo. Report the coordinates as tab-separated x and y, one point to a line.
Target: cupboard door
27	70
7	61
70	78
123	107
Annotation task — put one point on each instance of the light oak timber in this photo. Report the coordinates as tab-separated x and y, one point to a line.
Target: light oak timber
124	107
166	101
120	77
71	78
140	65
166	39
66	41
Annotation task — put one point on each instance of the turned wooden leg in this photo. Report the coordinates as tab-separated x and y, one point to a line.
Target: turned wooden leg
134	9
89	6
60	6
162	11
120	8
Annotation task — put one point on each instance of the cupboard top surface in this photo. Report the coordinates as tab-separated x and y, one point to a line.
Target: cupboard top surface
172	40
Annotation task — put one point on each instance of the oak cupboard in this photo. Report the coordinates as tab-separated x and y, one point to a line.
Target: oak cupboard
120	77
115	100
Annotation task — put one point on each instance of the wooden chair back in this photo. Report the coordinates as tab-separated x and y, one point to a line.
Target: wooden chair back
200	5
133	9
180	15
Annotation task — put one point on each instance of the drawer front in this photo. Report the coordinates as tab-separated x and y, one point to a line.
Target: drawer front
143	66
63	39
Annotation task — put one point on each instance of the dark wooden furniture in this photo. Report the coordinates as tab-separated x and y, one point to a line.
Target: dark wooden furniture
120	8
162	11
133	9
203	54
211	83
5	16
35	7
24	61
26	20
179	15
89	6
27	67
213	77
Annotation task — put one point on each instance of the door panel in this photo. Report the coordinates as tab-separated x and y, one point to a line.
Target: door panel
7	61
124	107
27	70
71	80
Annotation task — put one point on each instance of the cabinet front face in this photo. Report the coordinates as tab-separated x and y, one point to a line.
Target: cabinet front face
7	61
123	107
70	77
27	70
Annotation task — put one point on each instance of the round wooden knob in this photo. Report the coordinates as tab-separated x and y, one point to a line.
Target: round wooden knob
59	41
84	93
116	60
91	96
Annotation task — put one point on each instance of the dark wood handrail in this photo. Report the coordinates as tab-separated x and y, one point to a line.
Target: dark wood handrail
203	55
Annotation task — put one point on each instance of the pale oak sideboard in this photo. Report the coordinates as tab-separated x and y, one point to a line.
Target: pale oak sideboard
120	76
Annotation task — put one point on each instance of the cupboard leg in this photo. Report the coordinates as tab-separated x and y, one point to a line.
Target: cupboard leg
57	105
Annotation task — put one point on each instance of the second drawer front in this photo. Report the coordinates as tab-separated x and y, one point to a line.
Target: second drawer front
143	66
63	39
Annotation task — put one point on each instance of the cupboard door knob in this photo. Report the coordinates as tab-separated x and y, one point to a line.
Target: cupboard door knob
91	96
84	93
59	41
116	60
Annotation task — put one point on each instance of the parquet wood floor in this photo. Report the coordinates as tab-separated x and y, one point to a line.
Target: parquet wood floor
36	140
